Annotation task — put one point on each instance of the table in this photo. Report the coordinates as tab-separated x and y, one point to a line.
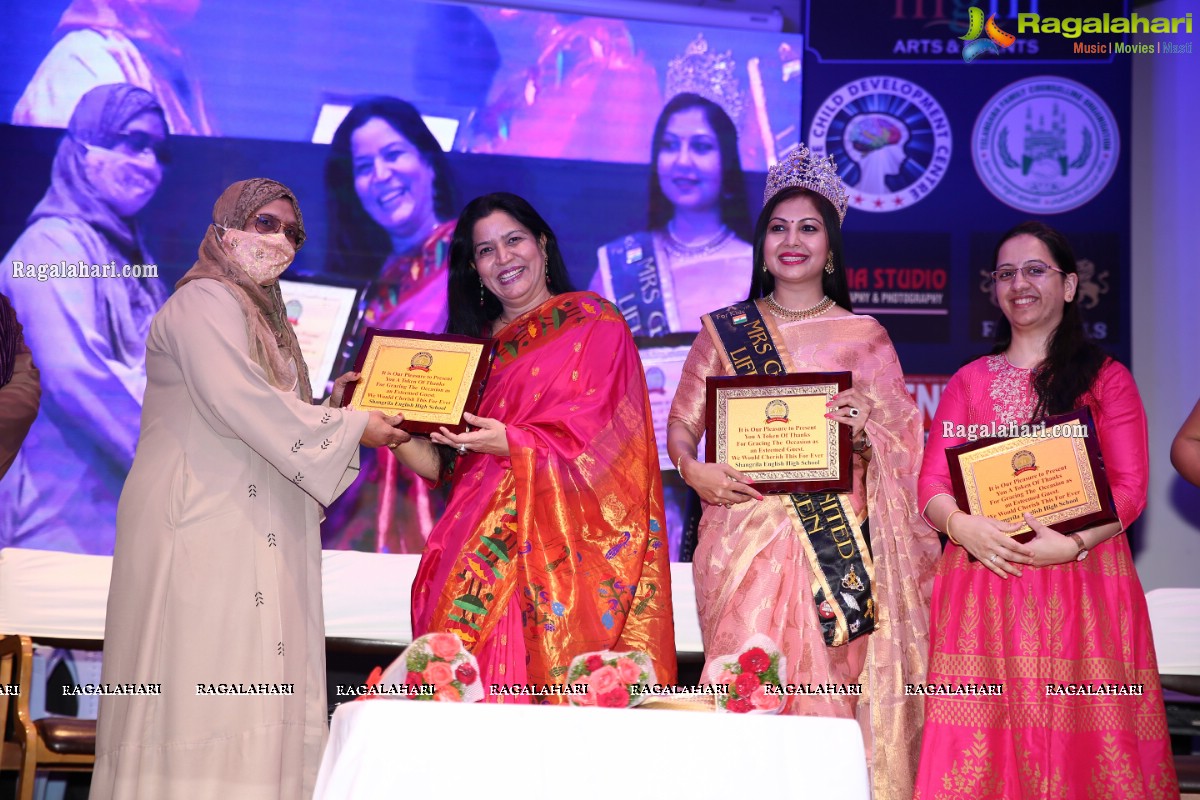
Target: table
393	748
366	596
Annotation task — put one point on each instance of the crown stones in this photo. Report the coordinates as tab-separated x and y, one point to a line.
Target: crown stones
711	76
804	170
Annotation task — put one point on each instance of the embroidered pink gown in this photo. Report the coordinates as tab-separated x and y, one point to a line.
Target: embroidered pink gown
1076	623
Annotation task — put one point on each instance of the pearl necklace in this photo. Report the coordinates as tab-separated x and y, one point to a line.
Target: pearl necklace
680	248
797	314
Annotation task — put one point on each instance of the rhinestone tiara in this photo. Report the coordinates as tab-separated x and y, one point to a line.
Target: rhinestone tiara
712	76
802	169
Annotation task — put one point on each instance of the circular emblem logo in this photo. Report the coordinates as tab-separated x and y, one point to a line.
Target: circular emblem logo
890	139
1045	145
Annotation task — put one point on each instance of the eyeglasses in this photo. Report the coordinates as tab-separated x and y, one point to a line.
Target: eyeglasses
1033	271
269	223
138	142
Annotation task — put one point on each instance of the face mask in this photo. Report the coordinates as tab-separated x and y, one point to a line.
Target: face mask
126	183
263	256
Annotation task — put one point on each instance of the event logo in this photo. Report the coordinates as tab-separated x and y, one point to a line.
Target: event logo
890	139
1045	145
976	27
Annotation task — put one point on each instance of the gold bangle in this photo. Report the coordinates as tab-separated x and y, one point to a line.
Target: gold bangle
947	524
679	464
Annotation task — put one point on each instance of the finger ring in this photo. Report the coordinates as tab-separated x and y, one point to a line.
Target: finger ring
393	445
462	449
994	557
853	412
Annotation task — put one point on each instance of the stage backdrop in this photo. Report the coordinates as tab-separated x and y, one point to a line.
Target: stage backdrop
941	151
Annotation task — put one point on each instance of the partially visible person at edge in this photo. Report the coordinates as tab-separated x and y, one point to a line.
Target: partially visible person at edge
1061	611
89	333
1185	448
840	582
552	543
217	571
118	41
20	388
692	254
391	216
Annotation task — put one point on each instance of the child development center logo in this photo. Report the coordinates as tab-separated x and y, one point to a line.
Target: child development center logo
890	139
976	27
1045	145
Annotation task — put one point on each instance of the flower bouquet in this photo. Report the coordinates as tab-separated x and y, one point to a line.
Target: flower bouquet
434	667
610	680
752	677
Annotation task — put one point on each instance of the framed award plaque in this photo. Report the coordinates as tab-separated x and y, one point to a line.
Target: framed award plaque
1053	470
431	379
773	428
322	312
662	361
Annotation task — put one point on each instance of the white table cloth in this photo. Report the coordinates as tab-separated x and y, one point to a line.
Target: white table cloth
44	593
405	748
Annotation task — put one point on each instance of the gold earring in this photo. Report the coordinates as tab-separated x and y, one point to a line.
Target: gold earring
829	263
765	272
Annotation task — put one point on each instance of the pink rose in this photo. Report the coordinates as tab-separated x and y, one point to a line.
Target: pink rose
745	684
447	694
629	670
444	645
438	673
605	680
726	678
764	699
613	698
587	698
593	662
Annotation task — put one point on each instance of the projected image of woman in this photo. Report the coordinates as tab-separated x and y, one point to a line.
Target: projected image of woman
118	41
391	218
696	249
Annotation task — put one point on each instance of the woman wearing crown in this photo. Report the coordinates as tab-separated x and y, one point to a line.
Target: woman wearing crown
692	254
763	565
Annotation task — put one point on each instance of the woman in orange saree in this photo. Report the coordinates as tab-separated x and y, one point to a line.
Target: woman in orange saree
552	544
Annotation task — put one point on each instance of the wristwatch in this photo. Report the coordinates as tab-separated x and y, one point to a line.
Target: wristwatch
1083	551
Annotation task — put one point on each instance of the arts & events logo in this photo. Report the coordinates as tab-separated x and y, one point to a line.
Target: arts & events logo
976	27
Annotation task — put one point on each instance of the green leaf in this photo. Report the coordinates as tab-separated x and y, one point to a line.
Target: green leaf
471	603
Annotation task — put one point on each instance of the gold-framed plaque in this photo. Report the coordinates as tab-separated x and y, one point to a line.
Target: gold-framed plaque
662	362
432	379
1053	469
773	429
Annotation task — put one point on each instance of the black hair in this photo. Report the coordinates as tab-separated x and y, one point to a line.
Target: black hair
733	183
468	315
357	245
1072	359
833	284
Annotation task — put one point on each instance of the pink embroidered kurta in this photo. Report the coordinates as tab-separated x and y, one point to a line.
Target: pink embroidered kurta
1081	623
752	576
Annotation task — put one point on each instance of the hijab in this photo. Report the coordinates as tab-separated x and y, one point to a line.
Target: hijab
99	117
272	341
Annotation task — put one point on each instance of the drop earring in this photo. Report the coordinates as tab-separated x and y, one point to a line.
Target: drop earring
829	263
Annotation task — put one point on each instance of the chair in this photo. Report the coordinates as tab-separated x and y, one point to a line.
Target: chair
51	743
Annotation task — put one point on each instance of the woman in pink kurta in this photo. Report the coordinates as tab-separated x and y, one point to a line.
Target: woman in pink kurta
754	572
215	596
1061	611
